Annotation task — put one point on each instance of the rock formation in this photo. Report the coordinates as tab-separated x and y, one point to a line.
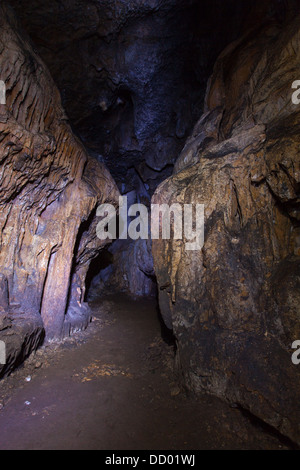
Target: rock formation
49	191
234	305
130	271
132	75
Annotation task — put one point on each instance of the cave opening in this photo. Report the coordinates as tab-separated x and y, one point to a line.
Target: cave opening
101	263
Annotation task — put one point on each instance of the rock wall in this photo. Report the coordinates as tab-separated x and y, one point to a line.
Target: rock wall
234	305
130	270
49	191
132	76
132	73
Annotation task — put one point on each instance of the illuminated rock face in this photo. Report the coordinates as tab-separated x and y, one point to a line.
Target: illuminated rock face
234	306
132	75
49	191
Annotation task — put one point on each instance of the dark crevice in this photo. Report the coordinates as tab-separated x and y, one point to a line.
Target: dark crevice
102	261
285	207
166	333
267	428
83	228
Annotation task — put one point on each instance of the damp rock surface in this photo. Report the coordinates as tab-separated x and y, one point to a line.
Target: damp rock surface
234	304
49	191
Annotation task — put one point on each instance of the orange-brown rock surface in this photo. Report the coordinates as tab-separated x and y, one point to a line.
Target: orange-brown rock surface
49	191
234	305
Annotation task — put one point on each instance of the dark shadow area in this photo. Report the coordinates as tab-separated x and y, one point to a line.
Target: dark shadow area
166	334
262	426
101	262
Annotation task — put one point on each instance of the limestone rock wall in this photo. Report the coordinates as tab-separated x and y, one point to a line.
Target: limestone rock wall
132	76
49	191
234	305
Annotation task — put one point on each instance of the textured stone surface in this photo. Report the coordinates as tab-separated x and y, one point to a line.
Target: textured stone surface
21	335
234	305
49	191
132	73
130	270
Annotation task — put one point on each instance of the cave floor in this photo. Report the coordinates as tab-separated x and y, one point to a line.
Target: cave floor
113	388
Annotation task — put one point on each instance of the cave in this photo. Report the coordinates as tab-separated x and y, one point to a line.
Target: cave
150	226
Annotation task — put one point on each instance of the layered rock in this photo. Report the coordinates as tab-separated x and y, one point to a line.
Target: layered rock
234	305
49	191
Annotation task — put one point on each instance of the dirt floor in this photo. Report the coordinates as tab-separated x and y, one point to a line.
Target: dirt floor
113	388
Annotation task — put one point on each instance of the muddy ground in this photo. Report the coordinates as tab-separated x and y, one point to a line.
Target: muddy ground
114	387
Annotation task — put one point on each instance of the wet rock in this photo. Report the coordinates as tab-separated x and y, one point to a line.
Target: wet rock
131	270
132	76
5	322
49	191
234	304
77	318
3	294
24	336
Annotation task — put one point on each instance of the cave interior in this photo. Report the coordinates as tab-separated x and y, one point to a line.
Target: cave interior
162	102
